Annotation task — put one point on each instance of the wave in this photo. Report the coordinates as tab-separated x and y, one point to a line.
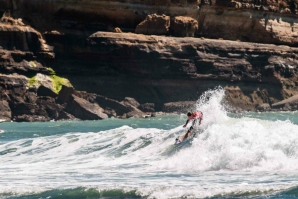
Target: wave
160	192
224	143
229	158
79	193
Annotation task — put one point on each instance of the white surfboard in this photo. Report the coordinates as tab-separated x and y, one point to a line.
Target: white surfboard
185	137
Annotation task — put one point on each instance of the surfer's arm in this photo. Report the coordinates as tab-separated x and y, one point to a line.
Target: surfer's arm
193	123
186	123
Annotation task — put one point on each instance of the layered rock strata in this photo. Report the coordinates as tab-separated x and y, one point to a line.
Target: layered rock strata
159	70
55	64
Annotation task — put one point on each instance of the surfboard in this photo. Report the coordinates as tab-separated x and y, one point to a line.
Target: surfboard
183	137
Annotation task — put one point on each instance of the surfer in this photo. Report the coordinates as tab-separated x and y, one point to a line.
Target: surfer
197	115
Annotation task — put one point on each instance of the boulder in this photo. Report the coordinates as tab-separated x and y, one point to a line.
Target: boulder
85	95
5	113
147	107
65	116
132	105
117	30
48	108
264	107
45	91
42	109
107	103
110	112
41	80
24	108
287	104
85	110
129	101
135	113
154	25
30	97
65	94
30	118
184	26
124	116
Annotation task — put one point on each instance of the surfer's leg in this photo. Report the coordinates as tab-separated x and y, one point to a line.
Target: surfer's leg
188	132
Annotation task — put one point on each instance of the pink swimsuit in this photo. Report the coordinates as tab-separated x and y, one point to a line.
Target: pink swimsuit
196	115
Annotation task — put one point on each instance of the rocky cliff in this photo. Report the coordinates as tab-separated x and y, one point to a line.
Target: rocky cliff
61	60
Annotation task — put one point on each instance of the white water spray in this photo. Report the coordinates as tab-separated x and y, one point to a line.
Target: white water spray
226	157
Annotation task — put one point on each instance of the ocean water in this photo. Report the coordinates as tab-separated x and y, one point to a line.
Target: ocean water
249	155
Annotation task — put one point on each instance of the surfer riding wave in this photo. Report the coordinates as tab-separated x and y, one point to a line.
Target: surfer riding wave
197	115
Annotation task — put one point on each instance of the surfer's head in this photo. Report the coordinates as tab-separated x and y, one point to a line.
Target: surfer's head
189	114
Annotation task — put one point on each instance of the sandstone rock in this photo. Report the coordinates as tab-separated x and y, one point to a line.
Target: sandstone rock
256	28
114	29
43	109
48	108
14	35
11	21
129	101
30	118
42	80
85	110
132	105
24	108
155	69
91	97
147	107
5	112
30	97
287	104
65	94
65	116
117	30
264	107
110	112
135	113
44	91
124	116
53	32
183	26
107	103
22	63
242	24
154	25
185	67
51	82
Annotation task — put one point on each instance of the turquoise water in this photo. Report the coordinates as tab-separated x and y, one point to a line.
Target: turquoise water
250	155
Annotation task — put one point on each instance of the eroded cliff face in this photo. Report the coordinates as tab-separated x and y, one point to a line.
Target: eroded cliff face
252	21
249	26
160	69
60	60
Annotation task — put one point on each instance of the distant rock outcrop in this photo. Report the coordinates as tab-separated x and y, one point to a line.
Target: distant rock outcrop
287	104
83	109
154	25
182	26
